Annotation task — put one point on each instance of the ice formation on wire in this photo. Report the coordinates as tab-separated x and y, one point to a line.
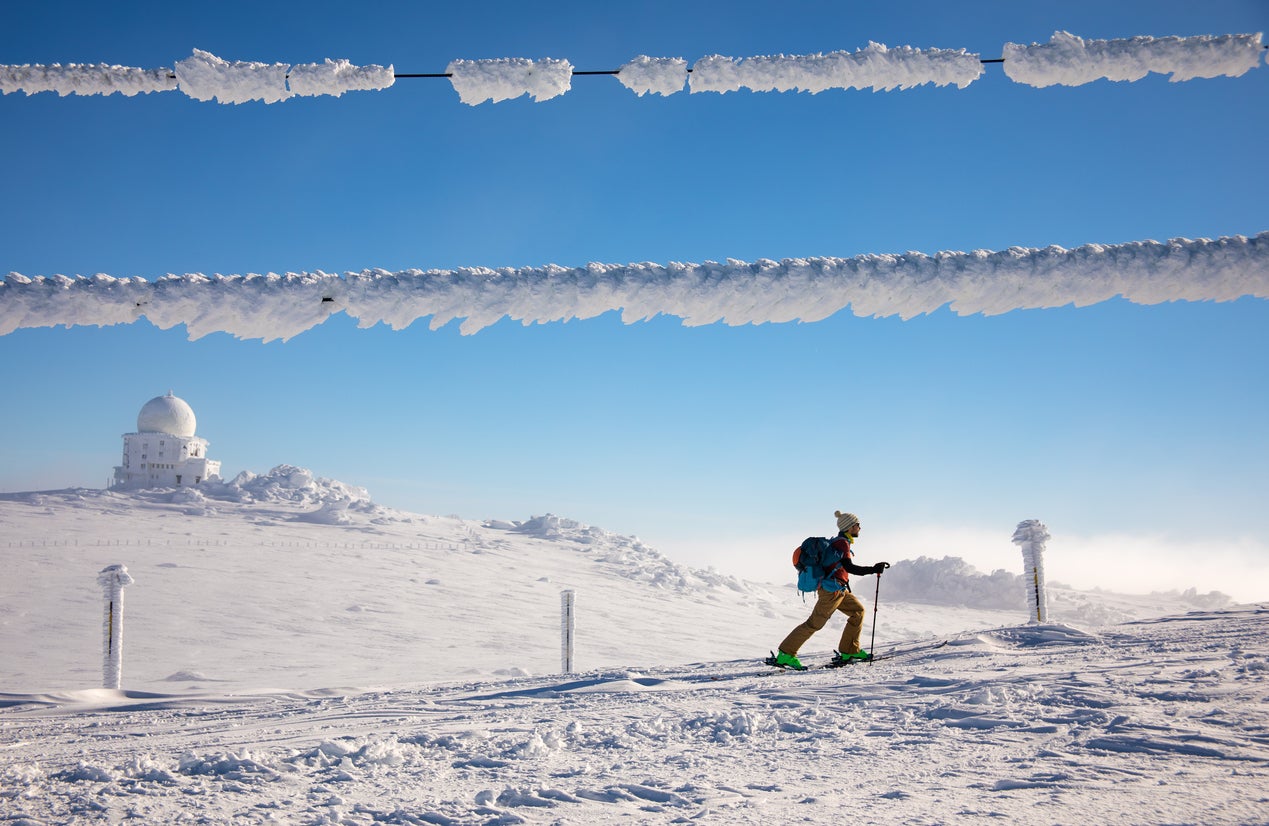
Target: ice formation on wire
1069	60
477	81
735	292
204	76
655	75
1066	59
85	79
874	67
334	77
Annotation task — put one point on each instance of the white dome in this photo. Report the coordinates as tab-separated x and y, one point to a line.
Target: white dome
166	414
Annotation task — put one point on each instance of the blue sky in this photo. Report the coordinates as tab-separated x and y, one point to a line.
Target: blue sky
1135	433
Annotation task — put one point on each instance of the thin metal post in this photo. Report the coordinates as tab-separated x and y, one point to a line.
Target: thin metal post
566	631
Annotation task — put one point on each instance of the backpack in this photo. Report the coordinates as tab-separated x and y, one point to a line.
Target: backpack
814	559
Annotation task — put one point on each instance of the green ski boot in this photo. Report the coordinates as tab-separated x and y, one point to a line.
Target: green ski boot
783	660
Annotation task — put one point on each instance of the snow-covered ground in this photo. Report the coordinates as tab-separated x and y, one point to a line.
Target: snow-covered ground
295	653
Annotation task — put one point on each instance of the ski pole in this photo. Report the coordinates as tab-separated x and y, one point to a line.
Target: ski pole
876	596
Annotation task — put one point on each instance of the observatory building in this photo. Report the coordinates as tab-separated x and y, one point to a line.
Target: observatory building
164	452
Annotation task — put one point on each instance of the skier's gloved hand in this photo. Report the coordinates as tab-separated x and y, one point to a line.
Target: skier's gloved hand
879	567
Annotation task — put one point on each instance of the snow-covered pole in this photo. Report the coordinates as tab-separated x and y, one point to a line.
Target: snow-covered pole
566	631
1030	537
113	579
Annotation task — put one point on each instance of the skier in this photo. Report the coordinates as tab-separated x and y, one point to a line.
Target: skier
832	595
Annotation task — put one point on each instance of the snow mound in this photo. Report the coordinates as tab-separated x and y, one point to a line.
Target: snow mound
626	556
953	581
1036	636
286	483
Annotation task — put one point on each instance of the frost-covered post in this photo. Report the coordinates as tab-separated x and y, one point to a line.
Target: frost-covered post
1030	537
566	631
113	579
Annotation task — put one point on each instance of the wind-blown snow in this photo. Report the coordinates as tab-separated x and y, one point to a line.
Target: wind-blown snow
1069	60
807	289
874	67
477	81
656	75
85	79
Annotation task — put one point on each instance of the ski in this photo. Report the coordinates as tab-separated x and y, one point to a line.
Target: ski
771	661
914	649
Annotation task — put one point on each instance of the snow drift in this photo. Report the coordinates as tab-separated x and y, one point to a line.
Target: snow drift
808	289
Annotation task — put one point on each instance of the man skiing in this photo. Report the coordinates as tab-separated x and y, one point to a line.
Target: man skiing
833	594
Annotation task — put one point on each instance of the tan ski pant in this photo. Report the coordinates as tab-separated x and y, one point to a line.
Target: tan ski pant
825	604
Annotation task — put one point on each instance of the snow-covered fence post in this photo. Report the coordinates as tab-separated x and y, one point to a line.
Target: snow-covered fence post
113	578
566	631
1030	537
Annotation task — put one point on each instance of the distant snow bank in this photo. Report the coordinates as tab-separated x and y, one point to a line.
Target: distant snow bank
284	483
337	502
285	493
627	556
1066	59
951	581
274	306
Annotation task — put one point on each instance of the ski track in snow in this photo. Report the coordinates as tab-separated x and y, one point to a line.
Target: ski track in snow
1147	722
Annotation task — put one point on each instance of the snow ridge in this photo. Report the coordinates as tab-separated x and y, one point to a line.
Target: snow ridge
275	306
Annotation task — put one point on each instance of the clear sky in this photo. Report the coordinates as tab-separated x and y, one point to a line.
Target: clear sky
1136	434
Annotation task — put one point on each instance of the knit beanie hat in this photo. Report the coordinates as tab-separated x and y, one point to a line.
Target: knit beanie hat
845	520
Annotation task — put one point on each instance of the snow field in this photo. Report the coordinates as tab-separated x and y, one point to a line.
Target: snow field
385	667
1037	724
